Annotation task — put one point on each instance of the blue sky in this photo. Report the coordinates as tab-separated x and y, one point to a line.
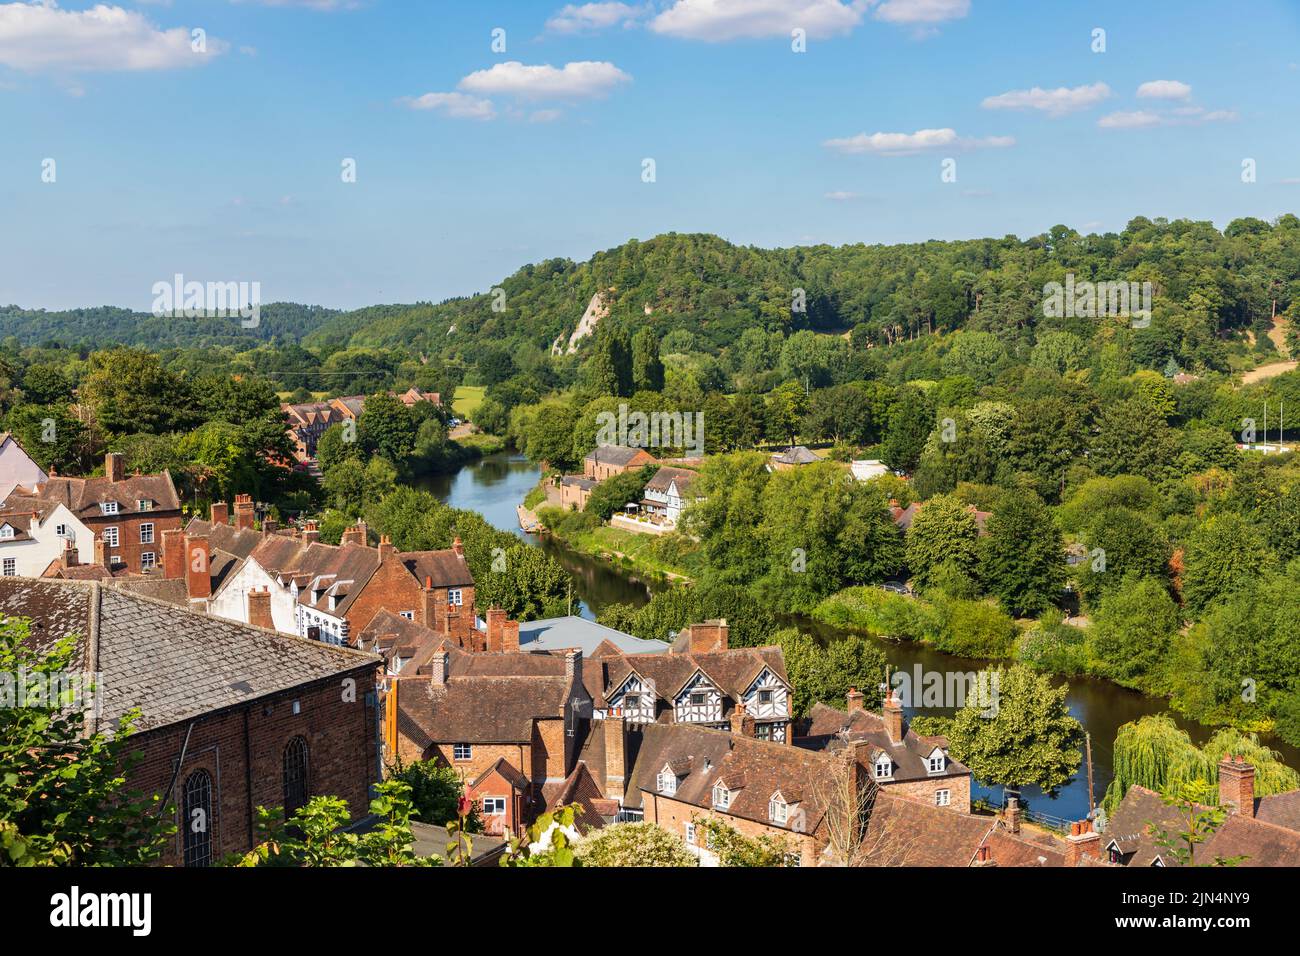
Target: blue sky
225	163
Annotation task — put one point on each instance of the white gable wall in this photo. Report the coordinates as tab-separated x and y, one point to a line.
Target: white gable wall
33	556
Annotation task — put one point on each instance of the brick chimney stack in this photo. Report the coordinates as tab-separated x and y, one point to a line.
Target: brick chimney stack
386	548
198	576
310	533
509	635
220	513
854	700
708	637
354	535
115	466
259	608
270	526
1011	814
742	723
243	512
496	619
572	664
1083	841
439	666
101	553
893	714
615	754
1237	785
459	547
173	548
68	559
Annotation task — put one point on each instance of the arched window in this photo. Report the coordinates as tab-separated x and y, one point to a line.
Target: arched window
295	775
196	824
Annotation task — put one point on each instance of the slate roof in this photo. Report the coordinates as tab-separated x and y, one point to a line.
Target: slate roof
1282	809
614	454
171	663
445	567
827	727
555	633
83	496
666	475
795	455
224	537
478	710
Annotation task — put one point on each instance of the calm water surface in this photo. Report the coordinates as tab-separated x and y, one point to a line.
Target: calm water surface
494	485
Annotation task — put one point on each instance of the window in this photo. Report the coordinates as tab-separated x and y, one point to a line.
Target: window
147	561
765	697
10	567
936	763
884	768
146	533
455	598
667	782
697	698
777	810
721	796
494	806
110	537
409	615
108	507
62	531
6	532
690	833
942	798
143	504
462	751
632	701
197	823
295	775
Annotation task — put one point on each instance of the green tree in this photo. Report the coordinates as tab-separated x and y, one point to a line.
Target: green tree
1022	561
1029	740
647	368
387	428
826	673
1121	543
435	793
1223	555
943	532
911	419
633	844
333	447
1133	627
130	391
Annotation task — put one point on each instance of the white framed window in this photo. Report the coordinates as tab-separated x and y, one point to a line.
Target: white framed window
936	763
455	598
62	531
143	504
494	806
10	567
108	507
409	615
6	532
110	537
884	768
632	701
462	752
697	698
667	782
146	533
147	561
690	833
721	796
777	810
942	798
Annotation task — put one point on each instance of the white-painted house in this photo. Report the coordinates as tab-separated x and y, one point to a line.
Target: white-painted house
668	493
34	533
17	467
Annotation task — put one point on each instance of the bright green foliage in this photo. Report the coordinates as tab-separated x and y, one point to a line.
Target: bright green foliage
435	793
633	844
1222	556
826	673
387	428
614	493
943	531
1133	628
733	848
1022	561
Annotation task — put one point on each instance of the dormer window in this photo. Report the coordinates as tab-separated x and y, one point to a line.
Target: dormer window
721	796
667	781
884	767
108	507
697	698
6	532
143	504
777	809
937	762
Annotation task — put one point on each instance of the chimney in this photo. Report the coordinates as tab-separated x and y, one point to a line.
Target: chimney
173	548
433	607
101	553
615	754
310	533
68	559
893	714
572	664
386	548
439	661
115	466
496	618
270	526
1237	785
708	637
854	700
220	512
1083	841
1011	814
458	546
198	576
354	535
983	857
259	608
243	512
742	724
509	635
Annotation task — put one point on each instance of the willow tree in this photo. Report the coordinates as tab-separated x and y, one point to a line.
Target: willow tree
1154	753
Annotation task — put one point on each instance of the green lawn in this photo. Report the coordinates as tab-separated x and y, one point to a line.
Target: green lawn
468	399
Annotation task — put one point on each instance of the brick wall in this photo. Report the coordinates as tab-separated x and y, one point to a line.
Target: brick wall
392	588
243	747
482	756
958	787
673	815
129	547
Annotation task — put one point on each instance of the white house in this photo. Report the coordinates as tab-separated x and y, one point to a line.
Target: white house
17	467
34	533
667	493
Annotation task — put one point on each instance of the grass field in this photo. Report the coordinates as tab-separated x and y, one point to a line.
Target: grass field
468	399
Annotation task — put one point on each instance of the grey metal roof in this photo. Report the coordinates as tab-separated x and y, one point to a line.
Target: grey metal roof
557	633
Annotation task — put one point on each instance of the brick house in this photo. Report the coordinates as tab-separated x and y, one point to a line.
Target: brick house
307	421
575	492
899	760
127	513
233	716
606	461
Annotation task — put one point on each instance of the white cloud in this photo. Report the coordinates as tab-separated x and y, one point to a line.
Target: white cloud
841	196
1164	90
590	17
717	21
454	105
43	37
921	11
903	144
1057	102
578	80
1134	119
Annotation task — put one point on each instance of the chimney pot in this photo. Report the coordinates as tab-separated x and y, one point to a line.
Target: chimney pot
1237	785
458	546
854	700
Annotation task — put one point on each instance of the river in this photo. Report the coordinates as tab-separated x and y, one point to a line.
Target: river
494	485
